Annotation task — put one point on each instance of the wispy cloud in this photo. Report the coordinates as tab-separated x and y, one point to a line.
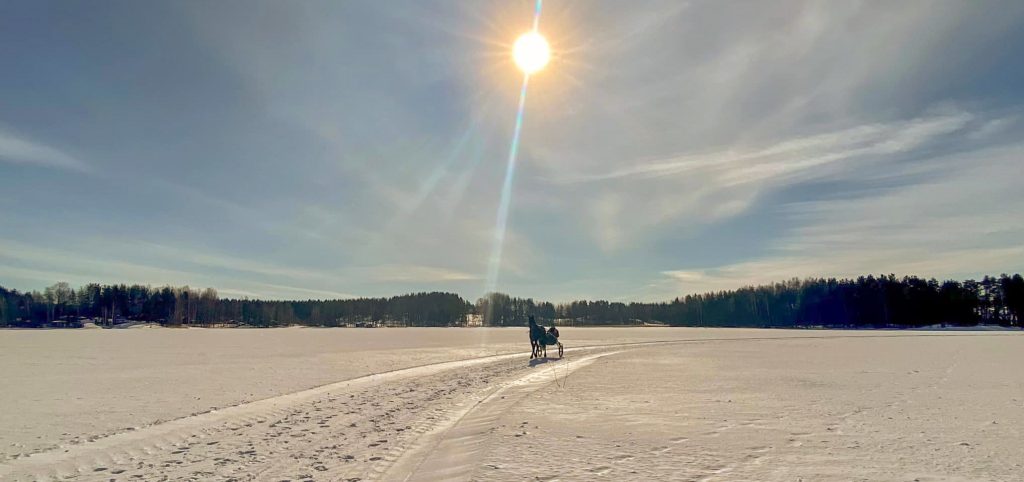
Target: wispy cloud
956	225
798	158
413	273
19	150
111	260
626	202
289	292
227	262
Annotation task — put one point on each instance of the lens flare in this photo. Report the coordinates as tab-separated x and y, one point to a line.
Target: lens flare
494	263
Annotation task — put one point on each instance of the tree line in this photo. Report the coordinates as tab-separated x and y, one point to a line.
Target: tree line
115	304
864	302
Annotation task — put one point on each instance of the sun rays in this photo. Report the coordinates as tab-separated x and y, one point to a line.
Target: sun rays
531	53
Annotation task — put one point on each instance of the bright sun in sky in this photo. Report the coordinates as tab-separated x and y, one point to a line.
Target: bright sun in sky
531	52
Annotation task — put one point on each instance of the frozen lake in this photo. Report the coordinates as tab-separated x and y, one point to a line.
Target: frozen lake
721	404
63	385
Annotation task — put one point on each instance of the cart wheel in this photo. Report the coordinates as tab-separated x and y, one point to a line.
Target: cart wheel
559	350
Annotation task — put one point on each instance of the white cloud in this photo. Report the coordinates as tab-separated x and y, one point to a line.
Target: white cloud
18	150
107	260
624	204
409	274
959	225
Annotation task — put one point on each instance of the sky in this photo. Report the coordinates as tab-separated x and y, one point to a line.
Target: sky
325	149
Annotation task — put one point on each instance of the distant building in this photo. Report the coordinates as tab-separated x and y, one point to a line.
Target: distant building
473	319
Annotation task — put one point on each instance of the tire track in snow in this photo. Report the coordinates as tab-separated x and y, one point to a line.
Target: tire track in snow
67	460
453	450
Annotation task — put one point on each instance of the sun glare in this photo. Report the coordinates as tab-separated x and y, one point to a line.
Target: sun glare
531	52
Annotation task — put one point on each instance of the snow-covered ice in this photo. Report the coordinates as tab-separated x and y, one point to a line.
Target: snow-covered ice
462	404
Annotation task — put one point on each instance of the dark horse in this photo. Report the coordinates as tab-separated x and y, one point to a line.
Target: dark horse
539	340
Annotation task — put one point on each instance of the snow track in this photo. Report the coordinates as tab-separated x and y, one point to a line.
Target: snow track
299	434
452	451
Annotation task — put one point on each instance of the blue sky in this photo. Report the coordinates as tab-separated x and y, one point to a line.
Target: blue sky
326	149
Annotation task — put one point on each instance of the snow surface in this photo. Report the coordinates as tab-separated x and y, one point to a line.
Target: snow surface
886	409
316	404
65	386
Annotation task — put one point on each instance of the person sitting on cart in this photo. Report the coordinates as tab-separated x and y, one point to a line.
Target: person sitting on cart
551	337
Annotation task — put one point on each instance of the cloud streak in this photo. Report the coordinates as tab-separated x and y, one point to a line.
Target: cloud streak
19	150
929	229
111	261
714	186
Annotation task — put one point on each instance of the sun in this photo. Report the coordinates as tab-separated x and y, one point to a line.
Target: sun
531	52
